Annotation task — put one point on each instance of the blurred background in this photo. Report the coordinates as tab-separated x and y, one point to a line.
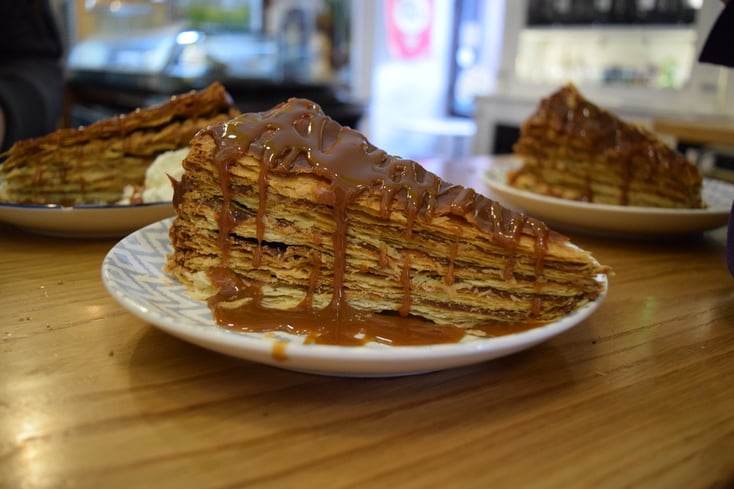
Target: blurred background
422	78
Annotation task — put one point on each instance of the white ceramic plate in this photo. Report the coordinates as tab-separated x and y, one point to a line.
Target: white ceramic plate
619	220
101	221
132	273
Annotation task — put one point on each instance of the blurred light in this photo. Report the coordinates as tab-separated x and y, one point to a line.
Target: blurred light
188	37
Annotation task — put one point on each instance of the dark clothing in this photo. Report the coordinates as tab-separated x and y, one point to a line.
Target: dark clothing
719	46
31	74
719	50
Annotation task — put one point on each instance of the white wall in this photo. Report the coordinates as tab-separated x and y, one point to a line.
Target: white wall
698	95
399	91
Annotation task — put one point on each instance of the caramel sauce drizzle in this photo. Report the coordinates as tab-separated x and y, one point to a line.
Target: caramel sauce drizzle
296	137
313	280
450	276
405	280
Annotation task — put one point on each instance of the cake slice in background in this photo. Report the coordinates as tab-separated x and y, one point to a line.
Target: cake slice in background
573	149
93	164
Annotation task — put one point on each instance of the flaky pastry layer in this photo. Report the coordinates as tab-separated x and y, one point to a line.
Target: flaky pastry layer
93	164
445	268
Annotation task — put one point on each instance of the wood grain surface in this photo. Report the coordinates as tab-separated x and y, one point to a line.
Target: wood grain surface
641	394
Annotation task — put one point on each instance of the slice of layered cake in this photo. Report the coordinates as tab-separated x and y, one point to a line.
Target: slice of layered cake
93	164
287	220
573	149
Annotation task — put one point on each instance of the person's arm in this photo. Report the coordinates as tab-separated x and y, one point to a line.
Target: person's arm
718	46
31	75
2	126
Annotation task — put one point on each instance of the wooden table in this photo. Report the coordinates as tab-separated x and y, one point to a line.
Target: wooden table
641	394
697	130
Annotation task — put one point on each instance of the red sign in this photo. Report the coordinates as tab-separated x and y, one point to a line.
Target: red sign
409	24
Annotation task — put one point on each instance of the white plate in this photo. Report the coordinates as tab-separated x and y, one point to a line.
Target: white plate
132	273
102	221
615	219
